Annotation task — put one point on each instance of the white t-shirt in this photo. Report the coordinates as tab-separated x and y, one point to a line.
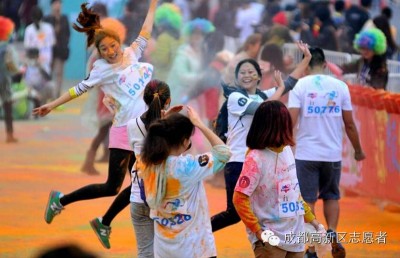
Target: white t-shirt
321	99
182	223
246	19
42	39
124	83
270	180
136	134
239	124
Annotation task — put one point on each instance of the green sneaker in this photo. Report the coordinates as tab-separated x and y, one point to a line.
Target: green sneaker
102	232
53	206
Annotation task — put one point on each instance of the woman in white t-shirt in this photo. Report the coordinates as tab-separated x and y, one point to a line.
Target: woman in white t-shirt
267	194
174	188
122	78
157	97
241	106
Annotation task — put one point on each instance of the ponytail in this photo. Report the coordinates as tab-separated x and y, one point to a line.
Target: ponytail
156	95
154	111
156	148
163	136
89	22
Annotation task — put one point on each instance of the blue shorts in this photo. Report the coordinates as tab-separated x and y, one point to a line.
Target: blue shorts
319	179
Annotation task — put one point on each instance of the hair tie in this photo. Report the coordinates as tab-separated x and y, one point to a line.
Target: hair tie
155	94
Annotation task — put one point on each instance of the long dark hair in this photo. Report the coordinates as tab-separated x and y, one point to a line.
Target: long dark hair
382	23
89	22
273	54
163	136
271	127
156	95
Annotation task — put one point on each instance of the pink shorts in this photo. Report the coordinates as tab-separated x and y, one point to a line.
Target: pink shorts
118	138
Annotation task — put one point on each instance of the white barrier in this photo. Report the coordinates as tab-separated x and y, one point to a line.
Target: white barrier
394	82
337	58
393	66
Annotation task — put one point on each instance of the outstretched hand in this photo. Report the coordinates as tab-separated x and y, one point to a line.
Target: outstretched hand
304	48
278	78
173	109
42	110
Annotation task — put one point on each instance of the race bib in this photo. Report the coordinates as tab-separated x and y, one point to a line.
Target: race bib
288	197
322	103
134	78
174	213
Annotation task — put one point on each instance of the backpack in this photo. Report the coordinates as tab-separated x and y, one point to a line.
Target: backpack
221	122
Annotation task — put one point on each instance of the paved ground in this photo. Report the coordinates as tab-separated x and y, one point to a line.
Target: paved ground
48	156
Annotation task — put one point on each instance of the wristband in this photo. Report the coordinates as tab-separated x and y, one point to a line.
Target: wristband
72	93
145	34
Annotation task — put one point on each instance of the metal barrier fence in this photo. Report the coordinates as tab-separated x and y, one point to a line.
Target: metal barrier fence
392	86
339	58
393	66
394	82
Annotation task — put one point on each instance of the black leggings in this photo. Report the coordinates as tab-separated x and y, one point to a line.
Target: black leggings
120	161
230	216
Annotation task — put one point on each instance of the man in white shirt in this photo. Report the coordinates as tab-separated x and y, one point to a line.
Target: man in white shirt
321	103
247	17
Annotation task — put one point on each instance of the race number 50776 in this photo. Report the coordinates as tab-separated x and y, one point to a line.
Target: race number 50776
323	109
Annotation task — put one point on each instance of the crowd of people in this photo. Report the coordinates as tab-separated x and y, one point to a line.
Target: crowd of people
45	41
259	30
153	100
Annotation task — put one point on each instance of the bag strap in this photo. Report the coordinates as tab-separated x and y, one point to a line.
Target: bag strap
261	94
135	176
137	123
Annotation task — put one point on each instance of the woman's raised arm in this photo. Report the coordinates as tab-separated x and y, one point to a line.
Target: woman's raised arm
148	22
147	27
